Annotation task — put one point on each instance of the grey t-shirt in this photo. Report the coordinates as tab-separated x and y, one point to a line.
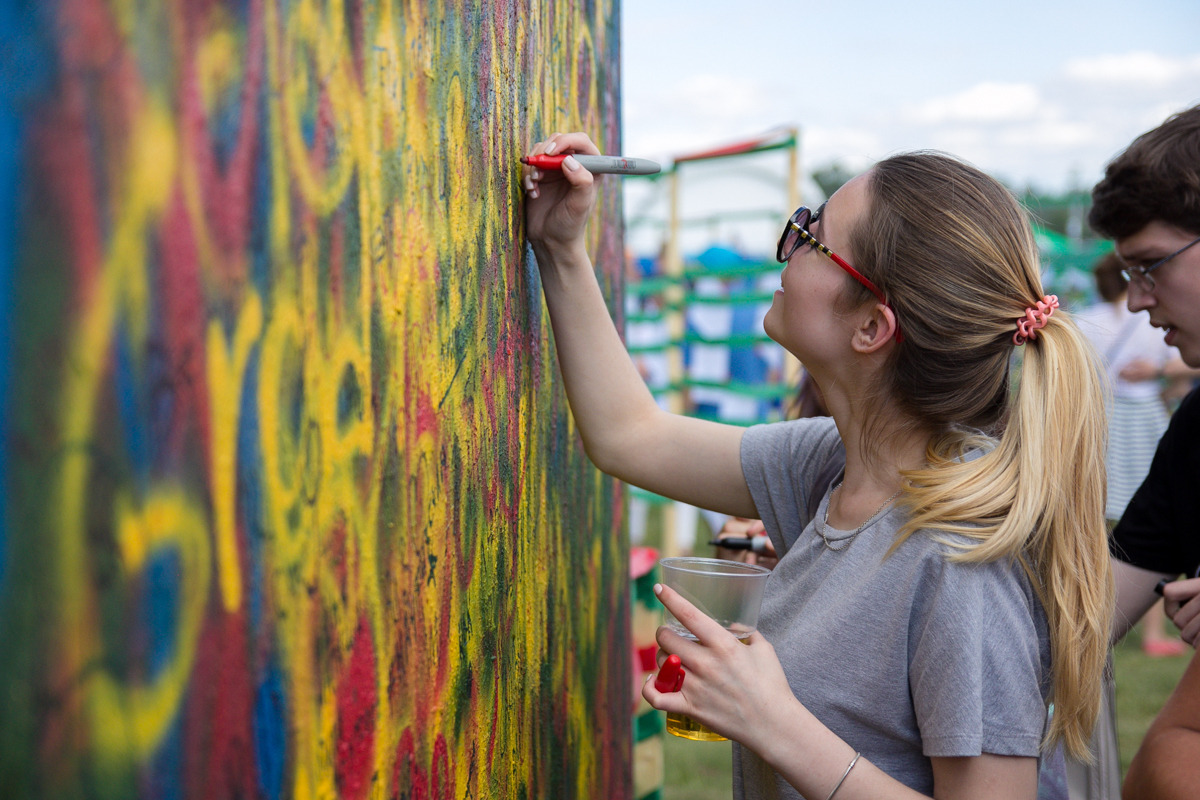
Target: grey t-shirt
905	658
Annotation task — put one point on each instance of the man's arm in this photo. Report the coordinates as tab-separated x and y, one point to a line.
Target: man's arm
1135	595
1167	765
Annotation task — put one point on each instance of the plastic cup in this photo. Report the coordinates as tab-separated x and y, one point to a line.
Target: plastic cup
728	591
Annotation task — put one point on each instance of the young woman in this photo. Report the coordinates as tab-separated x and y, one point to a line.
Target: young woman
943	570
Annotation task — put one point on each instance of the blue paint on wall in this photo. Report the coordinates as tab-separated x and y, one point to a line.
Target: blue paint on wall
250	510
161	580
270	732
129	407
10	141
167	766
24	72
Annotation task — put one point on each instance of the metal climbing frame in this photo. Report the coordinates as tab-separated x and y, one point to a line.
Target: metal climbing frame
673	295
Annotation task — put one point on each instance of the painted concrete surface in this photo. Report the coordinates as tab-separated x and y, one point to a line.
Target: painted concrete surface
292	502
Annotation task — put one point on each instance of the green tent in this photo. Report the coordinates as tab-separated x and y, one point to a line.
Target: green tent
1067	264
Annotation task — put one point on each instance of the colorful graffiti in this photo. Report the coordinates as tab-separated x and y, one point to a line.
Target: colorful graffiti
292	502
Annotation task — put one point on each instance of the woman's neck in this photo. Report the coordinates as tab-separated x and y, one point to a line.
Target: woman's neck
881	440
873	476
877	456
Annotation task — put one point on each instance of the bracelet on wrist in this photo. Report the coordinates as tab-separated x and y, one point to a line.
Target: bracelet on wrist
842	779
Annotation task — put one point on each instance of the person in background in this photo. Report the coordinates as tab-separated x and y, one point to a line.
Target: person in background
1137	361
952	577
1148	203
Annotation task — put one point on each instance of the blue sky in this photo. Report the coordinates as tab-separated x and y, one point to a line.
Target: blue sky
1040	93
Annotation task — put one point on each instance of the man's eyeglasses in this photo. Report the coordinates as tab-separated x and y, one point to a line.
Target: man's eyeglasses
795	233
1140	275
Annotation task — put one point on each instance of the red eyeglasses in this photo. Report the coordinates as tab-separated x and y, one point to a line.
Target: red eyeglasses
795	233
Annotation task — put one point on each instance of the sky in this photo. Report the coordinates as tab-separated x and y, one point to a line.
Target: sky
1038	94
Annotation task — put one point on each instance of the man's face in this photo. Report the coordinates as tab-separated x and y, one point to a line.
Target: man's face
1174	302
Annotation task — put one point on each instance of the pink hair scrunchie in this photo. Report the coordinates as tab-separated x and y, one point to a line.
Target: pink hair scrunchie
1035	318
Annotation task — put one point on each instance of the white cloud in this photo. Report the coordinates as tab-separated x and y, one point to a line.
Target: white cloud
984	102
1048	109
720	97
1050	134
1133	69
697	112
820	138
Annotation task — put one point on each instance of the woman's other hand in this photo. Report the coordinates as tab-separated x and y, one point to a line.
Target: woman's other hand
736	690
741	527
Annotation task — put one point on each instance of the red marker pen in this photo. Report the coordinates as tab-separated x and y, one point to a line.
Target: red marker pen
670	675
598	165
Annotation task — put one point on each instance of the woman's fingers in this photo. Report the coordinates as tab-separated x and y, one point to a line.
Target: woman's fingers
672	702
704	627
670	675
559	143
572	171
575	173
532	176
561	199
723	684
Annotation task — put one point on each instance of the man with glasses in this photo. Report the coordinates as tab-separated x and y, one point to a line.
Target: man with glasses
1149	204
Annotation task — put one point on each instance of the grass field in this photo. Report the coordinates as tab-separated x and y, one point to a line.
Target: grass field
701	771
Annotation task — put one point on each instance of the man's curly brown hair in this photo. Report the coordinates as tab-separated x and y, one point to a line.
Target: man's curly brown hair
1157	178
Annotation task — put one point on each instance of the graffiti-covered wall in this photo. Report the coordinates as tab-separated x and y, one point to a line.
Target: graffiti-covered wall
292	504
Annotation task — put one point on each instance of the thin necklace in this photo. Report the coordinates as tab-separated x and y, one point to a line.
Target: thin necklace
846	540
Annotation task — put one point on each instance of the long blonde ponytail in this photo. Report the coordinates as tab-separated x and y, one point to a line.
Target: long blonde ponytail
1037	496
955	254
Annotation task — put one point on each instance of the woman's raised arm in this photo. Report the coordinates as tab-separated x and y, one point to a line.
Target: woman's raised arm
624	431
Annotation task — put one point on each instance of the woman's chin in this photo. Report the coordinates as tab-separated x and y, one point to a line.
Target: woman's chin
769	329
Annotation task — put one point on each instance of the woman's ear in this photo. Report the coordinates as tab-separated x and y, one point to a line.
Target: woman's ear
877	329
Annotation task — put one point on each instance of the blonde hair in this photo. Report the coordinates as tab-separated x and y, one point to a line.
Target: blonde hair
954	253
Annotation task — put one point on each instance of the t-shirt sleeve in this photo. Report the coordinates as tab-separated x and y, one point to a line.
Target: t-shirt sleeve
781	462
1158	530
977	660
